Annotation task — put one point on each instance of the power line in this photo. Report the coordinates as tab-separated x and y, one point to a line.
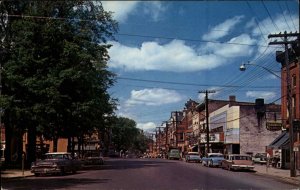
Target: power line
188	84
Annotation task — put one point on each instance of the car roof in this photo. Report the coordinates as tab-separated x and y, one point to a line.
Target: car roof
239	155
215	153
57	153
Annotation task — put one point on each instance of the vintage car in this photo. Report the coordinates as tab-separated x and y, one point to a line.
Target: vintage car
237	162
56	163
260	158
192	157
212	159
174	154
93	158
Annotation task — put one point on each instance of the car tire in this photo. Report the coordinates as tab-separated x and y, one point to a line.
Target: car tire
37	174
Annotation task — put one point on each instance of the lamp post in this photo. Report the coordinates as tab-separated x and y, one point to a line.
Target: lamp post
243	68
289	106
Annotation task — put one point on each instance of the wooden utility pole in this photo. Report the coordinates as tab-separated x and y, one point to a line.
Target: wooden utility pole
285	42
207	117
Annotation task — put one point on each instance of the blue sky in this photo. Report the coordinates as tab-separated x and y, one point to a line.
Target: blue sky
167	51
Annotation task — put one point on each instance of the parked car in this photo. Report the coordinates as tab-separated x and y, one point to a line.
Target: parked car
260	158
174	154
212	159
56	163
93	158
192	157
237	162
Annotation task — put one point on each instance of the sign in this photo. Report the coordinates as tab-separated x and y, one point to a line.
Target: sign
213	138
274	126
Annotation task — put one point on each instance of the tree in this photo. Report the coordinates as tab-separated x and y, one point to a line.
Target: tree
56	77
126	136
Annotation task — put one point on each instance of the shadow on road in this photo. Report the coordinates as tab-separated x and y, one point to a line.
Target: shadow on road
118	164
53	182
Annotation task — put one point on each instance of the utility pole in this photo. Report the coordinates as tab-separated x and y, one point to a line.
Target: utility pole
207	117
285	42
167	128
159	137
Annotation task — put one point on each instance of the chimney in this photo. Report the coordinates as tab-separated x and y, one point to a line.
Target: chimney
231	100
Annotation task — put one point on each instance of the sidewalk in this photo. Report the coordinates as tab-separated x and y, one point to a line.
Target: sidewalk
14	173
282	174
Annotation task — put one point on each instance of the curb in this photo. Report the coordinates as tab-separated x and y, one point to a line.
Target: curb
281	178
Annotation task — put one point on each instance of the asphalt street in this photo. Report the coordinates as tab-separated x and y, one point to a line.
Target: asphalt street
144	174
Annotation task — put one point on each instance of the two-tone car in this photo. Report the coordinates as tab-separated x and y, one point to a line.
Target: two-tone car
192	157
212	159
56	163
237	162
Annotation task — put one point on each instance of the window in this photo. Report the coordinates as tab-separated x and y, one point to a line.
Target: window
294	81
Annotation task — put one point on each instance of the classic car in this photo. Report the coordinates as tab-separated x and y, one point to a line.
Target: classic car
192	157
93	158
237	162
212	159
174	153
260	158
56	163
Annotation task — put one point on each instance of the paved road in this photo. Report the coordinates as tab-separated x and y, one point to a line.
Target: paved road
149	174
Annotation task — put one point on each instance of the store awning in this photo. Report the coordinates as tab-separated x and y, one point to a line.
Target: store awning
282	141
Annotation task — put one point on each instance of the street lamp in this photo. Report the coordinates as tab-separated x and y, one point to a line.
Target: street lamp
289	106
243	68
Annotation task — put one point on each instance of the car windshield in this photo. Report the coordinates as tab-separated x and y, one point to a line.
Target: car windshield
55	156
193	154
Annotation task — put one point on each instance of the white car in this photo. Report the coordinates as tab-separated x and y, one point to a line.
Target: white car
192	157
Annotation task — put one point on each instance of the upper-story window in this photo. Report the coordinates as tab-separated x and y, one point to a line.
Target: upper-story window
294	81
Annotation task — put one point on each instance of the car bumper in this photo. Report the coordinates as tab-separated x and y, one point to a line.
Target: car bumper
242	167
46	170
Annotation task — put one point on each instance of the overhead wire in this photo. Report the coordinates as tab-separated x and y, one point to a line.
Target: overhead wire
291	15
283	14
272	20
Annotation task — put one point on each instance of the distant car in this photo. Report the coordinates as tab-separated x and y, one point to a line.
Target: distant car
174	154
212	159
192	157
260	158
56	163
93	158
237	162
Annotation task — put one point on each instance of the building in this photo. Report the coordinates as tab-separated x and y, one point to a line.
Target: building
282	142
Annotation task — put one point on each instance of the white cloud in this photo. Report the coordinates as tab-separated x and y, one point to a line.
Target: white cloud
120	9
175	56
146	126
155	9
233	48
153	97
222	29
261	94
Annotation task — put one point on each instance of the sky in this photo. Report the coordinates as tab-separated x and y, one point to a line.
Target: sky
166	52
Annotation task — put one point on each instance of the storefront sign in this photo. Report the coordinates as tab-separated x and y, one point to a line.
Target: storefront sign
213	138
274	126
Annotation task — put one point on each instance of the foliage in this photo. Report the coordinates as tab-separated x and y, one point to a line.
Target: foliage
55	74
126	136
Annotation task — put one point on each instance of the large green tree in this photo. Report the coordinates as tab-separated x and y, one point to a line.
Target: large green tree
55	77
126	136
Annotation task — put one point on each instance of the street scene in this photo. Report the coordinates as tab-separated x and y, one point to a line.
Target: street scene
149	94
146	173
